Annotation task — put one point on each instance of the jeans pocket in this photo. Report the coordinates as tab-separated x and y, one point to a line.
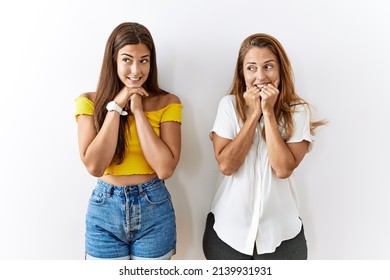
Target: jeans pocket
97	197
157	196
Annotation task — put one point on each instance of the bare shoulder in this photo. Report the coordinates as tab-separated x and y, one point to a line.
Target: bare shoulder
169	98
160	101
89	95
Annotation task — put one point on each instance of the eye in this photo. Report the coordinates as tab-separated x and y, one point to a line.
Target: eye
252	68
268	66
144	61
126	60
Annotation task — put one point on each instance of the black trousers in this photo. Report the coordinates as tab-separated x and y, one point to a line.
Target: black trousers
215	249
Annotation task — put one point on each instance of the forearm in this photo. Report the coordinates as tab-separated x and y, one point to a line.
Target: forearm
231	157
280	156
100	152
158	154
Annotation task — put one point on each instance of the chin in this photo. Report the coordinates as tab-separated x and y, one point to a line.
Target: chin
134	85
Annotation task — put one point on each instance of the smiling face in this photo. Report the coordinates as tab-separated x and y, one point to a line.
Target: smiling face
261	67
133	65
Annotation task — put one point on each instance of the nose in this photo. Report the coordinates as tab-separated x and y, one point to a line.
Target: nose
260	75
135	68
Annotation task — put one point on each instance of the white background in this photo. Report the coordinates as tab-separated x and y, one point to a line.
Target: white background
51	51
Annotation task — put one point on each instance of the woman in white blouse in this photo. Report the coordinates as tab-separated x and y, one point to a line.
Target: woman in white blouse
261	133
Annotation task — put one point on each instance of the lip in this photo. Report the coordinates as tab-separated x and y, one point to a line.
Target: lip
134	79
260	86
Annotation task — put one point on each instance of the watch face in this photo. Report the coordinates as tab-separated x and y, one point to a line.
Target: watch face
110	106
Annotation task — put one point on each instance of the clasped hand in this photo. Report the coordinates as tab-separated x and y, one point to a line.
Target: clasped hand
131	98
261	99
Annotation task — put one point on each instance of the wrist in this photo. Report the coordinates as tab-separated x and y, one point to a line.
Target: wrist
137	113
269	114
113	106
120	103
254	116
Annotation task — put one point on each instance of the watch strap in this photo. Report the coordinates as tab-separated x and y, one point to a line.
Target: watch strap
113	106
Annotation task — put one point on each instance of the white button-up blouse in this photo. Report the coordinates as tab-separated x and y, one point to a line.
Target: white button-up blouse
253	206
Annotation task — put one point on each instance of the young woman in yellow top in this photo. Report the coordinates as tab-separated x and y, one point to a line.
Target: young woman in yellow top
129	134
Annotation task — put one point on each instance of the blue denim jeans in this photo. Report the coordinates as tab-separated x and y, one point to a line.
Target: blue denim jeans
130	222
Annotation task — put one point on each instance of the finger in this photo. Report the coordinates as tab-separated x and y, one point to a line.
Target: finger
142	91
271	86
255	91
139	91
263	95
265	91
272	89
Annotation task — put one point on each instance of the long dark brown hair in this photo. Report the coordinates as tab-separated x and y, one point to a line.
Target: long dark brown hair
287	99
109	83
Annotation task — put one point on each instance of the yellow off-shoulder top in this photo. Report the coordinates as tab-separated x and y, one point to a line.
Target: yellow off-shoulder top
134	161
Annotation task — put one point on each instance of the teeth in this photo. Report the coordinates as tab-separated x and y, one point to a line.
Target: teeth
135	79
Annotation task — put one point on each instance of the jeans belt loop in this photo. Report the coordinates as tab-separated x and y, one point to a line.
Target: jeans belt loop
140	189
109	190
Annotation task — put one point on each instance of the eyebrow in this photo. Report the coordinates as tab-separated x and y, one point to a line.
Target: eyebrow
146	55
265	62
